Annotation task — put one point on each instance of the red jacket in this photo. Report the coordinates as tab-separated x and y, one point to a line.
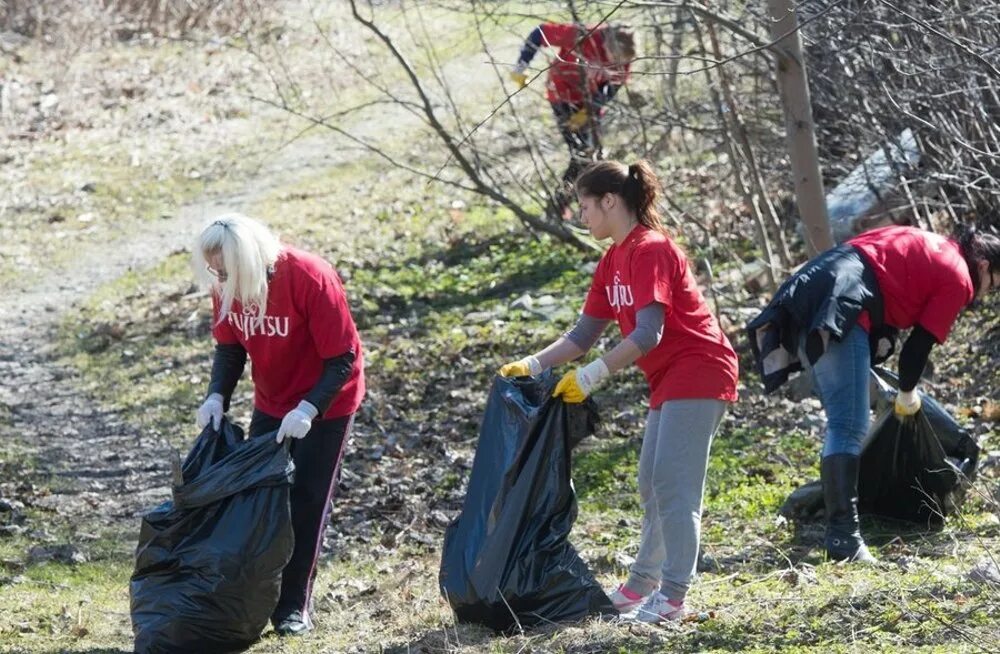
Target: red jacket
580	62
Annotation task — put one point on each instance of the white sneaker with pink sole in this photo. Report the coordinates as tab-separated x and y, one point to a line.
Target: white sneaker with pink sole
660	609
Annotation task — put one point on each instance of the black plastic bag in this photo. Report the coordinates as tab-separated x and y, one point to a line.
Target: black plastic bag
507	561
916	468
208	564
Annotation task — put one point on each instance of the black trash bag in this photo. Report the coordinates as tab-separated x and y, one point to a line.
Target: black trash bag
930	452
918	468
208	564
507	561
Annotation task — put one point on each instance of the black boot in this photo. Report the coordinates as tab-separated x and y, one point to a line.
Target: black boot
839	473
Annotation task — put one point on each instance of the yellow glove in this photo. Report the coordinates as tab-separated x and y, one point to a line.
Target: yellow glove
526	367
576	385
569	389
519	78
907	403
578	120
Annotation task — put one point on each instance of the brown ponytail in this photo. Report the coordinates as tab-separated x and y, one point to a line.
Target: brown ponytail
636	184
977	246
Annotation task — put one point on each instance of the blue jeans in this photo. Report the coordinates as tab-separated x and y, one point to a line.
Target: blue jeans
841	376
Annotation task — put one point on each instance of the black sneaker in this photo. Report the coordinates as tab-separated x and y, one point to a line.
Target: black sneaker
293	624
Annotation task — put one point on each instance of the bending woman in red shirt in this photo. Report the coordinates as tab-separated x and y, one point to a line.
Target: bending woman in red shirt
833	316
592	64
643	282
287	310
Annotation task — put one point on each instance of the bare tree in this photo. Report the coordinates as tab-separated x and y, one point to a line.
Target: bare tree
705	105
881	68
794	85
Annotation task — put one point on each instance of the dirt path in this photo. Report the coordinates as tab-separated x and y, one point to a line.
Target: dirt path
91	458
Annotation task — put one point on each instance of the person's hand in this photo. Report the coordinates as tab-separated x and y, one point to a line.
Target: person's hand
526	367
578	120
520	79
576	385
297	422
569	389
907	403
210	411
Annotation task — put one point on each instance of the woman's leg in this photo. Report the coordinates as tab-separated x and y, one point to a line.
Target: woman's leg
317	460
684	439
644	574
842	377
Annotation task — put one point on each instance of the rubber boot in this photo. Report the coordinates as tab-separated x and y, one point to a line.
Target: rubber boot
839	473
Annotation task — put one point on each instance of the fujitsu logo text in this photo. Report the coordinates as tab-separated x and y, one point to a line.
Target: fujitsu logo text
619	295
250	325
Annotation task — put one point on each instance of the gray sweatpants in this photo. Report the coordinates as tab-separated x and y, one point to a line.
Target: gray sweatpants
672	469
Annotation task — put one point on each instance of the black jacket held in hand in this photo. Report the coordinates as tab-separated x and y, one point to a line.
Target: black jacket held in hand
828	294
507	560
208	564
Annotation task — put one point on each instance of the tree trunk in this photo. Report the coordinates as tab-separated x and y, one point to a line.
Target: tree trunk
799	129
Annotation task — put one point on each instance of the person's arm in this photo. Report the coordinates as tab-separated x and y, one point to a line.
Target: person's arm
577	384
528	50
336	372
571	345
913	357
574	343
557	35
646	335
912	360
227	368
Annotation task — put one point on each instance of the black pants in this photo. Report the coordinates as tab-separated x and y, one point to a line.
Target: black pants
583	148
317	460
582	142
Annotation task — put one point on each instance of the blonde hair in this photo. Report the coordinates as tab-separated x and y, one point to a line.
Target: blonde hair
249	251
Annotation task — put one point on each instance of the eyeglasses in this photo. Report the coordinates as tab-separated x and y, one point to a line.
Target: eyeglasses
221	275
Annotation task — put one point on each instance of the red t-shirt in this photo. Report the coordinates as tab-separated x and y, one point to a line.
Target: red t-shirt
307	320
923	277
590	58
693	359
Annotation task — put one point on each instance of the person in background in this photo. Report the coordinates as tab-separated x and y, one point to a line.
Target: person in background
839	313
287	310
591	66
643	282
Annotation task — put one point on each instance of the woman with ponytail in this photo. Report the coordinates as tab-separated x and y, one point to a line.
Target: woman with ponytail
839	313
644	284
287	310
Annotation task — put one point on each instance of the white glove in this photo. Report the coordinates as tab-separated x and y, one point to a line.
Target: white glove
297	422
210	410
592	375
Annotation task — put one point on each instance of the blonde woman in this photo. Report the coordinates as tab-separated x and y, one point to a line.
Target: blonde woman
287	310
